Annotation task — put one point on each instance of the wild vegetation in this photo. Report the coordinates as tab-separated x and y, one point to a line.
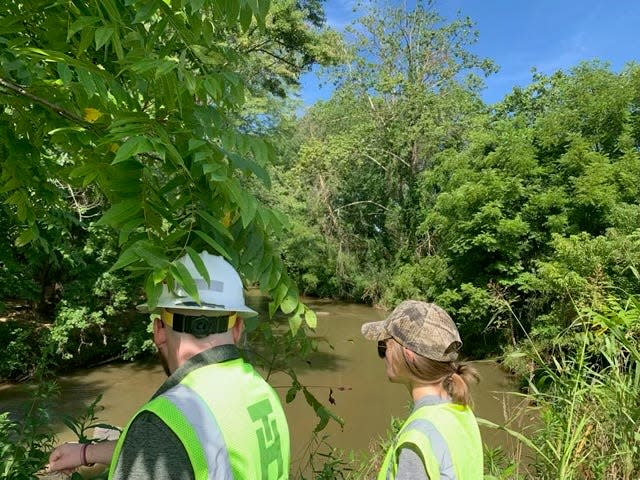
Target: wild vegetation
529	209
136	132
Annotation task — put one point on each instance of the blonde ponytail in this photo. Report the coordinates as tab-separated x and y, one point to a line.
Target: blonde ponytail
457	383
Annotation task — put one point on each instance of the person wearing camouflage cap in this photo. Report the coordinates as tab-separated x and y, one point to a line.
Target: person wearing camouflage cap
419	343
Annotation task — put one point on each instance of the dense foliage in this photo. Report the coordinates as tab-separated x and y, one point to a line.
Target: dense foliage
512	217
133	134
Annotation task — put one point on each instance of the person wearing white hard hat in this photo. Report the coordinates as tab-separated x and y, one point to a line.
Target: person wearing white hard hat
214	417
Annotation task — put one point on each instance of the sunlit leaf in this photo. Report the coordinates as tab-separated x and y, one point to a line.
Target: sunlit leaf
131	147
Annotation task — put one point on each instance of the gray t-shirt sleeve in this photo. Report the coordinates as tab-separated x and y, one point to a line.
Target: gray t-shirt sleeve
152	451
410	466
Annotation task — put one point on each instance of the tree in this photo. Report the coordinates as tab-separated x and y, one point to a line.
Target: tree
400	100
536	210
131	111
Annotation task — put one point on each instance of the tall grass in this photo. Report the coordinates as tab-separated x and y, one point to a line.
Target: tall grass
588	401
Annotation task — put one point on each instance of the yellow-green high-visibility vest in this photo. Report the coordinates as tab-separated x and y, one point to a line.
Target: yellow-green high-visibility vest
229	420
458	427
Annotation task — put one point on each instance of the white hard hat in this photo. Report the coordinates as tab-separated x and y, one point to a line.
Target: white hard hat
222	295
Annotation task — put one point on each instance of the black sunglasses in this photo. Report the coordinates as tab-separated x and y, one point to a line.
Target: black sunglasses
382	348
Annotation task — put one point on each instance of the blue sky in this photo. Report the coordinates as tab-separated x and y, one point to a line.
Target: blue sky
518	35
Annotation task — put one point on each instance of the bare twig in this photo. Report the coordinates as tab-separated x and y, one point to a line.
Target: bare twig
362	201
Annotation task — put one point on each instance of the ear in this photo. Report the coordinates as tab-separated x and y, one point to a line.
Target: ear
408	354
159	332
237	330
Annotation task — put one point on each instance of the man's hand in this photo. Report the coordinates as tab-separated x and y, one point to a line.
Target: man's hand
65	458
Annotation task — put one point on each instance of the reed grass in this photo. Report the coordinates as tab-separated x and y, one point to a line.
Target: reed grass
587	400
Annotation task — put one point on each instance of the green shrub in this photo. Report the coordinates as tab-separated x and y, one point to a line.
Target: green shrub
22	347
25	444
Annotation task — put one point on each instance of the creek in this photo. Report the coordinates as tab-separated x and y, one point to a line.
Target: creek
345	368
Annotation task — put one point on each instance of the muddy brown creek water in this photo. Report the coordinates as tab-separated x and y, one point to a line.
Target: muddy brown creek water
345	363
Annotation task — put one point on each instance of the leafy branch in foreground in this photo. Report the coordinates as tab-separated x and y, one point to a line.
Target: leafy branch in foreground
142	102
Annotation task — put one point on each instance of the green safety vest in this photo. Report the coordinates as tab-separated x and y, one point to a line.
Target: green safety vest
458	427
225	407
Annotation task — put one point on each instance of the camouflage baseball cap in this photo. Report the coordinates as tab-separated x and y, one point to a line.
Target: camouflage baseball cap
422	327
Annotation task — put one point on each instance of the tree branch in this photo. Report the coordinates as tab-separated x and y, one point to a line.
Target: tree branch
18	90
255	47
278	57
361	202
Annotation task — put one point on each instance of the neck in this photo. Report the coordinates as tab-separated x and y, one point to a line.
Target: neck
188	346
419	391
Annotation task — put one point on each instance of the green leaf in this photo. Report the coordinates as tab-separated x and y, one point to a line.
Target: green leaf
253	4
153	255
291	394
248	165
165	66
131	147
265	280
232	10
217	225
153	291
272	308
246	15
294	323
85	79
196	143
213	244
80	24
102	35
183	277
290	302
324	415
310	317
279	293
216	171
263	8
254	249
159	276
27	236
66	129
200	266
127	228
196	5
126	258
189	81
213	88
259	149
144	11
65	73
247	203
120	212
82	170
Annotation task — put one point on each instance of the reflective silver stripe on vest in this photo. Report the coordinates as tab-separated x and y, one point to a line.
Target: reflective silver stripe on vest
206	428
438	446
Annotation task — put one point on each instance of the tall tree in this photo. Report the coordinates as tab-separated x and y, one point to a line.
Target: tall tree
401	99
